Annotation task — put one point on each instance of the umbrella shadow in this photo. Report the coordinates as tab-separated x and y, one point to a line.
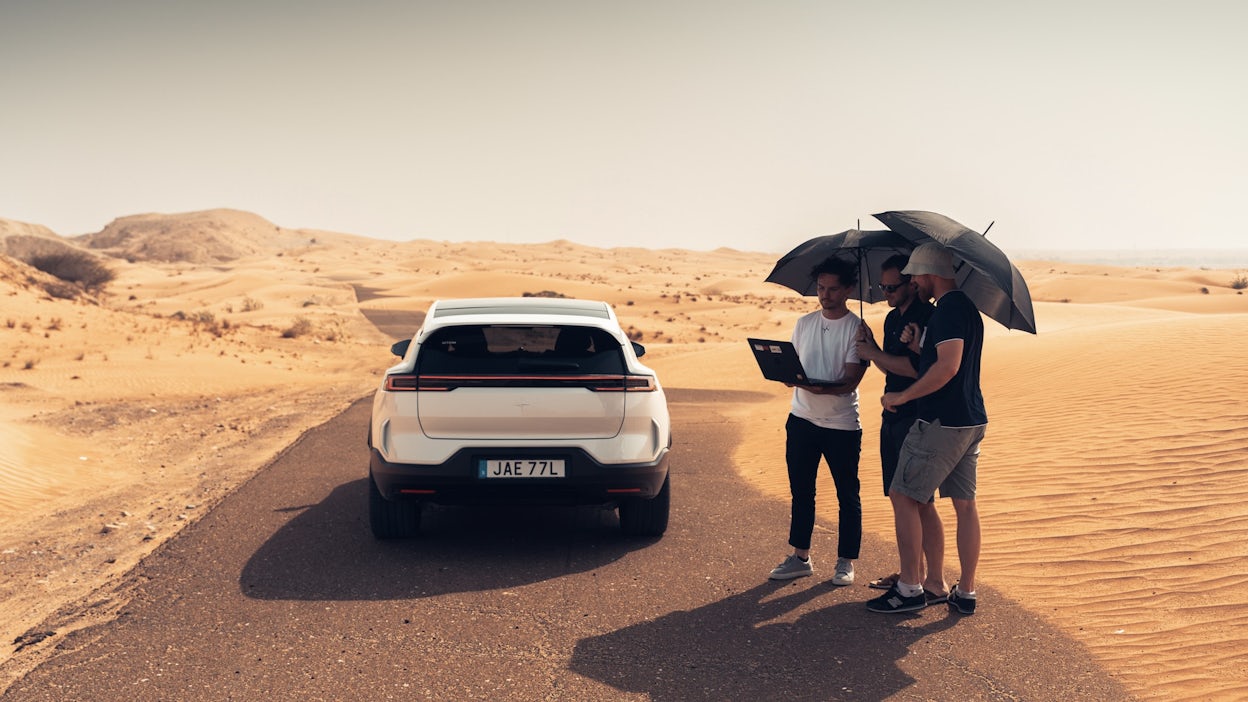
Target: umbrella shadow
763	643
328	553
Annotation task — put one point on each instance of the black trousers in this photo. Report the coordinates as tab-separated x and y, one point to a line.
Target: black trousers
804	446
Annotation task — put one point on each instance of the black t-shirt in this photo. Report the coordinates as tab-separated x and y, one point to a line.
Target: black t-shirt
959	403
918	312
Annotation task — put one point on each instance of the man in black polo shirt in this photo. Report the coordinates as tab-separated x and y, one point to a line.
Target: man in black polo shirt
942	448
899	359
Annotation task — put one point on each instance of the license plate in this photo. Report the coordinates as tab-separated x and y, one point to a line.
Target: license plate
521	468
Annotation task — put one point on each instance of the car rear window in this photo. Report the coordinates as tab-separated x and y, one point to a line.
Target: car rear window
510	349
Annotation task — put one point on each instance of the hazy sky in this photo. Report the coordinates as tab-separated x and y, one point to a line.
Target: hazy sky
696	124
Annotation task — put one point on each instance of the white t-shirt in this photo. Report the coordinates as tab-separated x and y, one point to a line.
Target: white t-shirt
826	347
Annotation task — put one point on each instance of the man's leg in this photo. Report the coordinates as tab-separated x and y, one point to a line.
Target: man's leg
909	536
933	549
960	486
892	436
842	450
968	542
801	454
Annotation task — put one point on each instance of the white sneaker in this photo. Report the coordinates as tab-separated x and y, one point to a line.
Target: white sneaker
792	567
844	572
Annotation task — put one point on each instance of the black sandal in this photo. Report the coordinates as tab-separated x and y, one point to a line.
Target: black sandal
885	582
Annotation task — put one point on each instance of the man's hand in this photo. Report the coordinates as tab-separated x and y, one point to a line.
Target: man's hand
891	401
910	336
865	343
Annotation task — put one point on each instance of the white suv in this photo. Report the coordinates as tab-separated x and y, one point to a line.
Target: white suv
519	400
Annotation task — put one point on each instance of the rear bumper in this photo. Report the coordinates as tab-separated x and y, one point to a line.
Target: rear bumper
455	482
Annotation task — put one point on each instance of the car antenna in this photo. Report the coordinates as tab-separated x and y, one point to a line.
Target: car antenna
989	227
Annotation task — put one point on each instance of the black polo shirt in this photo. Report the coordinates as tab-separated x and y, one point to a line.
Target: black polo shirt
918	312
959	403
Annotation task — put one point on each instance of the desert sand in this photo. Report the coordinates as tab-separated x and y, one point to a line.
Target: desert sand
1112	481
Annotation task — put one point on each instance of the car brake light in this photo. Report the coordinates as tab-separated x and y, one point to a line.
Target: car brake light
402	383
627	383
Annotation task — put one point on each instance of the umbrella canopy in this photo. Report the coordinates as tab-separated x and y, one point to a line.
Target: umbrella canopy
984	272
868	250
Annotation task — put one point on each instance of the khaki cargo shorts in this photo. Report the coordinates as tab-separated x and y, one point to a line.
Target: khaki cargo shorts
938	457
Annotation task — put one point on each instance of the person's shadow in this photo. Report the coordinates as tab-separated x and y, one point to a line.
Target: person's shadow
765	643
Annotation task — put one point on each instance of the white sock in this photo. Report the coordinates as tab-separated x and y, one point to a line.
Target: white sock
963	593
908	590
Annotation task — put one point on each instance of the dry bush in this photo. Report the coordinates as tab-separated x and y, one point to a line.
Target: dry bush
76	267
61	290
1239	282
302	326
203	319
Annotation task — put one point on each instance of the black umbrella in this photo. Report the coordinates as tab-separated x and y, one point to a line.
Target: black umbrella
984	272
868	250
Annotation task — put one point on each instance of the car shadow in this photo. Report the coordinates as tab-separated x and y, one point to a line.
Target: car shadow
682	395
767	642
327	552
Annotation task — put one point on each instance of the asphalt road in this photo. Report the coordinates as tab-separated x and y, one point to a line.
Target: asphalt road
281	593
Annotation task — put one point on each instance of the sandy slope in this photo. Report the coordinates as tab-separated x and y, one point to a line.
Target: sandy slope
1112	481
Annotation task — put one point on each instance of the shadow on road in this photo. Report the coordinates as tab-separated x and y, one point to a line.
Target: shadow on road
758	645
328	553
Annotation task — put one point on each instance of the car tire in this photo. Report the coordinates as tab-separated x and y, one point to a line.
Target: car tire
640	517
391	519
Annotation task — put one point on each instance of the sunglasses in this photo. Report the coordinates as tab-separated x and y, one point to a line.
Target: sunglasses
892	288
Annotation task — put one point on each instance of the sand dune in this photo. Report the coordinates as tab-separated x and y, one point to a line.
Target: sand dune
1113	479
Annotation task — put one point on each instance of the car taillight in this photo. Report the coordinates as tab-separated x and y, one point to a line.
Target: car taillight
627	383
402	383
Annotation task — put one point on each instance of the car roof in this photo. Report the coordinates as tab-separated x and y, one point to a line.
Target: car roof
495	307
520	310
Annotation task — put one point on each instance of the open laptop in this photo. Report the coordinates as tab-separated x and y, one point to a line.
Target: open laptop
779	362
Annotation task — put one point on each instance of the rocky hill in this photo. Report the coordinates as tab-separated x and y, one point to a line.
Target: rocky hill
209	236
25	241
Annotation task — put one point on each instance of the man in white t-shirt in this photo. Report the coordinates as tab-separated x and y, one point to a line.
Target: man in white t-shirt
823	422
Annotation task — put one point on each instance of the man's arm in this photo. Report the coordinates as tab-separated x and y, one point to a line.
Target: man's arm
869	350
847	384
897	365
948	362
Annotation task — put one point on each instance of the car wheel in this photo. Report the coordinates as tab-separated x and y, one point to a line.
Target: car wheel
640	517
391	519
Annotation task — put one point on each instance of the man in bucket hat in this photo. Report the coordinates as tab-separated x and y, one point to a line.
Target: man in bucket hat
942	448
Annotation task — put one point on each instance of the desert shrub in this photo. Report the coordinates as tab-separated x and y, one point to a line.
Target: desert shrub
544	293
75	267
62	290
1204	291
302	326
1239	282
251	304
